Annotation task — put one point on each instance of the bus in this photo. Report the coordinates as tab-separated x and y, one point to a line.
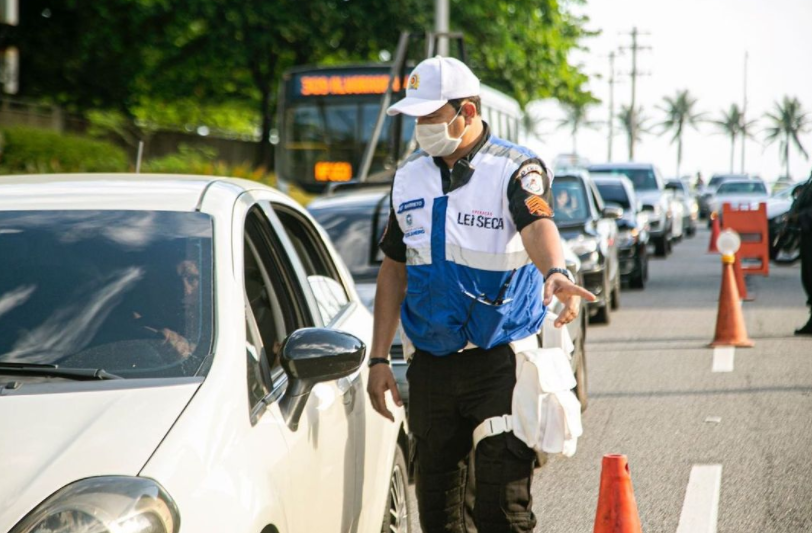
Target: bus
326	116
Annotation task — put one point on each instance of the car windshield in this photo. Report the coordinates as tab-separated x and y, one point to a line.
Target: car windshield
614	192
742	187
643	179
570	200
350	229
129	292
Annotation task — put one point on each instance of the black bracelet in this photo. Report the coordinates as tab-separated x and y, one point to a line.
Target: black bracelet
375	360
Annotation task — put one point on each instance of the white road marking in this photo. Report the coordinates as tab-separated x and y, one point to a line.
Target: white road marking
700	510
713	419
723	358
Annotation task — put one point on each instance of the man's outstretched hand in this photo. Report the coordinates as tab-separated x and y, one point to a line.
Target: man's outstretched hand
568	294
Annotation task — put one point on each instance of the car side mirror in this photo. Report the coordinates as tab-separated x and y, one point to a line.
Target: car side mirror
311	356
612	210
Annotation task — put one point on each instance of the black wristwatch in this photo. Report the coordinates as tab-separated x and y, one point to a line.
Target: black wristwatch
376	360
564	271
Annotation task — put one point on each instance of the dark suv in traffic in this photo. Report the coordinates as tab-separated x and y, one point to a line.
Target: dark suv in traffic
632	236
591	231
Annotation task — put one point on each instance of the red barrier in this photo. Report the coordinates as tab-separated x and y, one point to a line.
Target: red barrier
751	225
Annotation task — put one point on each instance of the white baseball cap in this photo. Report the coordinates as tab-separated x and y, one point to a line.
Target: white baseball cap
433	83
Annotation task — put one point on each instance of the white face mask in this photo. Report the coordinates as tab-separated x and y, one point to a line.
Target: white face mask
434	138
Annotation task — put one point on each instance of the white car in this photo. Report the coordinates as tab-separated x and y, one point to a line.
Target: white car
739	193
184	354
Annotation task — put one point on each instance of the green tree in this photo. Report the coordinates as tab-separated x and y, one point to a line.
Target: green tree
732	123
576	117
680	112
788	122
522	47
633	124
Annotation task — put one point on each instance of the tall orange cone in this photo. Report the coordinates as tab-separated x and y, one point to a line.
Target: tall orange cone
741	284
617	508
730	329
714	233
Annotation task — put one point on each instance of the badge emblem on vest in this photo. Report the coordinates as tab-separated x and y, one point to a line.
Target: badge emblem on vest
409	219
411	204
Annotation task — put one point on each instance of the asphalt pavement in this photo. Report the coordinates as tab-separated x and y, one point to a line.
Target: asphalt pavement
744	430
655	397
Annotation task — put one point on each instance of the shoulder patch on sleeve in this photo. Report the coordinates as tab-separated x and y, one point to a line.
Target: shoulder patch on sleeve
532	179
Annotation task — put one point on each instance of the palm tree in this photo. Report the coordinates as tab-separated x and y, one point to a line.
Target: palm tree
576	117
633	124
532	123
680	113
729	124
789	121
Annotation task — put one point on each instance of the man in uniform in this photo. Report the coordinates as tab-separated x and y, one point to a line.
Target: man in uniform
469	236
801	214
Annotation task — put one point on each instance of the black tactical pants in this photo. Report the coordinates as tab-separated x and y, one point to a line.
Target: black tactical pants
806	265
448	397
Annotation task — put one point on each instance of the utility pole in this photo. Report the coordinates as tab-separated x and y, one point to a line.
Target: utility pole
744	110
611	104
441	25
634	74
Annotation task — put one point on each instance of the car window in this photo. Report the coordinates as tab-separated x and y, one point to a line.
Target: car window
570	200
643	179
322	274
275	300
742	187
129	292
614	192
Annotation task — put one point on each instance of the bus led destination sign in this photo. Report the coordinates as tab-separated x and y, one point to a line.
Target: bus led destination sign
345	84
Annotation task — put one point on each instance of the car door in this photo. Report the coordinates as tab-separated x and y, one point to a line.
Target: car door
321	454
371	436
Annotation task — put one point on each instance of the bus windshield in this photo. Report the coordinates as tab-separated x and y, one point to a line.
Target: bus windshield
326	121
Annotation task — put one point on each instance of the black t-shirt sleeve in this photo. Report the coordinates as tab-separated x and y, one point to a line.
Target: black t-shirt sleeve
529	193
391	243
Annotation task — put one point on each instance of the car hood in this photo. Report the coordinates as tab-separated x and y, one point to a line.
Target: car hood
651	197
778	206
53	439
571	230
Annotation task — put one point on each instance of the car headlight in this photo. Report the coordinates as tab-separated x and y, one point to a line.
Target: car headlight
105	505
584	245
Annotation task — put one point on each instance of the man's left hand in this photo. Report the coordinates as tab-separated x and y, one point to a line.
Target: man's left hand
568	294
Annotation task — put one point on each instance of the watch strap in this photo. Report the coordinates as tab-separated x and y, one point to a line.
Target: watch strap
563	271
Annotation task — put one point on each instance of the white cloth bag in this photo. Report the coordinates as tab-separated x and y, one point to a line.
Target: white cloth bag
546	414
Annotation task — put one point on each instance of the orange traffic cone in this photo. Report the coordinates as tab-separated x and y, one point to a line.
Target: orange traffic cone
730	329
741	285
714	233
617	508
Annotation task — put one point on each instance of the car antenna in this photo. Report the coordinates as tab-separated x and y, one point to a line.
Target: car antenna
138	157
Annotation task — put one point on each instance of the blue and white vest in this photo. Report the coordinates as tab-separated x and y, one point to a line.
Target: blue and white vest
469	276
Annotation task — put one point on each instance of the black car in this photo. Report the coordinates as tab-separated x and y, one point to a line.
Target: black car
591	231
632	236
355	218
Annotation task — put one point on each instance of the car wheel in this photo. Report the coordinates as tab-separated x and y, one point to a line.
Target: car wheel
638	277
580	373
397	519
661	246
616	295
603	314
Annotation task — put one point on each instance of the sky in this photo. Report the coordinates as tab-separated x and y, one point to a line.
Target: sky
697	45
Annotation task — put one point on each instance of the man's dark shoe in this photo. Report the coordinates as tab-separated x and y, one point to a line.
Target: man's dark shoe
806	330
